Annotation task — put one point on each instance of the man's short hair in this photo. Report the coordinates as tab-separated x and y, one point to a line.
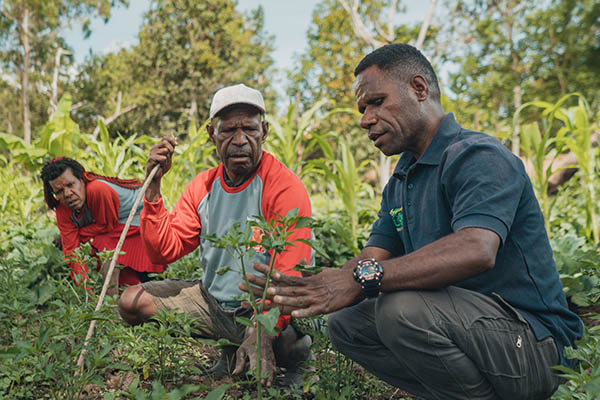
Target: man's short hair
402	61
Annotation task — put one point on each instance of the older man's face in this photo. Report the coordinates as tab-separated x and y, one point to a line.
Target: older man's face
238	134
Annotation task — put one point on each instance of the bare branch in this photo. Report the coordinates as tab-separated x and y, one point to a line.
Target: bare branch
8	16
77	105
425	25
118	112
390	22
359	27
53	99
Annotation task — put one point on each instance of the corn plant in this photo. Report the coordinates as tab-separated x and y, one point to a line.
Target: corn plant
561	128
577	137
292	138
240	245
192	155
114	156
60	135
345	173
539	147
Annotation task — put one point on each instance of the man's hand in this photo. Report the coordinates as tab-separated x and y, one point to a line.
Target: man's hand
160	154
246	357
330	290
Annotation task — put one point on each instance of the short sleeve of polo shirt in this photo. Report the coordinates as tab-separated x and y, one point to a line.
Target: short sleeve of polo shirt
383	233
483	183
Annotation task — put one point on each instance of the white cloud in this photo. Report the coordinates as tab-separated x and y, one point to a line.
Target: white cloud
115	45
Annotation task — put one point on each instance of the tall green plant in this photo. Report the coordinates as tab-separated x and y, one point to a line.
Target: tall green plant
114	156
292	139
577	137
539	148
192	155
561	128
346	174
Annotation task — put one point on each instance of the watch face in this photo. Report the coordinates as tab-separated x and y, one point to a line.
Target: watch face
368	272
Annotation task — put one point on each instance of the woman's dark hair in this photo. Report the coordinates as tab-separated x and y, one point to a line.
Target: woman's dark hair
402	61
52	170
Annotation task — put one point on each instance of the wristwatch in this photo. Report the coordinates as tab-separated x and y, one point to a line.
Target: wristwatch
368	273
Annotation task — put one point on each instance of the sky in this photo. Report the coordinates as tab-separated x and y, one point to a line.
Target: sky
287	20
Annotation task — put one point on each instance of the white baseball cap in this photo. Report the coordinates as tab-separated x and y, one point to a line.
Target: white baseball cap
235	95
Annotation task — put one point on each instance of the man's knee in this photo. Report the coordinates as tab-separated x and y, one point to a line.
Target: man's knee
399	313
340	325
136	305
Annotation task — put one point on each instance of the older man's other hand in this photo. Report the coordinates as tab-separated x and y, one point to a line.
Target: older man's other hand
247	359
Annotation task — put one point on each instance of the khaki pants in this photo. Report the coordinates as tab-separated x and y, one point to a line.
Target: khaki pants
447	344
193	298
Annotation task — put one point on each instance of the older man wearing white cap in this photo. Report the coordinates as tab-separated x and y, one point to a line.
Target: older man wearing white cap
248	182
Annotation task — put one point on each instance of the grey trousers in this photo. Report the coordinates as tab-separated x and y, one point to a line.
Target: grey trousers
447	344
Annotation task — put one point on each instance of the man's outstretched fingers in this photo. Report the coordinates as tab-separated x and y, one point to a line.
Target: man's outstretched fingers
240	361
307	312
257	291
257	280
264	269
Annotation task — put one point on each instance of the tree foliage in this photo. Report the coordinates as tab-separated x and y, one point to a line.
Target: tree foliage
325	69
29	38
186	51
540	50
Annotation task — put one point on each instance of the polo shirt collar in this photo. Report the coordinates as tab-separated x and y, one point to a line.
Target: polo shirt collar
445	134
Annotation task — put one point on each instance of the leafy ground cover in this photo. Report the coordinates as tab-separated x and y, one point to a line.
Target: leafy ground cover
45	317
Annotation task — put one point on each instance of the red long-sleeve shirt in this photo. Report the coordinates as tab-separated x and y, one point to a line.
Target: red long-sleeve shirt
210	206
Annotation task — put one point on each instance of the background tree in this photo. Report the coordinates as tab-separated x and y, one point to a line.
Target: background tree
29	37
565	35
341	33
509	52
186	51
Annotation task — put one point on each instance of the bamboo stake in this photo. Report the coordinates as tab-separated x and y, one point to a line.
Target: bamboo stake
111	268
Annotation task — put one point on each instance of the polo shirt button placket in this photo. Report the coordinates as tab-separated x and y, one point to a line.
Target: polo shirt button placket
409	215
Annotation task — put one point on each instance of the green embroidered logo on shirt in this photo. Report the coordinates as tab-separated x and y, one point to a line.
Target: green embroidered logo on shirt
396	214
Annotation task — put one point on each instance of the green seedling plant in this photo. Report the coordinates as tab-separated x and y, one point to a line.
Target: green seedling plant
583	382
240	244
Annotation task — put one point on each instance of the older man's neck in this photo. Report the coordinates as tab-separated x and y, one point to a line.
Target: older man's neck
241	181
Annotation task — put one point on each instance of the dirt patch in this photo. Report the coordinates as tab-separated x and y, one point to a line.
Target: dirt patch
587	315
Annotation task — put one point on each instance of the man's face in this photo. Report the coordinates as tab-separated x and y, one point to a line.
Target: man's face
238	134
391	112
69	190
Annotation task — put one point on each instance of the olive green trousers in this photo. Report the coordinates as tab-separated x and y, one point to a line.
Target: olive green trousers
447	344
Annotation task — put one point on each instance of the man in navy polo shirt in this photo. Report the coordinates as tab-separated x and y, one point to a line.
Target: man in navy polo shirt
456	294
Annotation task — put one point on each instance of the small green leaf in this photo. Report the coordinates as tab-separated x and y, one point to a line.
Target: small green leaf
223	270
245	321
268	320
219	392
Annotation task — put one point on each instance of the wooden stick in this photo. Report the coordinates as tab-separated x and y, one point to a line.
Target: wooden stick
113	262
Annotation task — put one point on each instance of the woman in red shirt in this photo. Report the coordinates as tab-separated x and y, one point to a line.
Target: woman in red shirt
90	206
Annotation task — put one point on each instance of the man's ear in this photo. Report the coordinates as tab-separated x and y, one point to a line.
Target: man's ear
211	132
419	86
265	127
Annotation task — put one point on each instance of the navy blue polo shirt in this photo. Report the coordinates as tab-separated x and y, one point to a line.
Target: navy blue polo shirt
469	179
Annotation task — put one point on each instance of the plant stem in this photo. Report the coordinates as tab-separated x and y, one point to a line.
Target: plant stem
258	362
